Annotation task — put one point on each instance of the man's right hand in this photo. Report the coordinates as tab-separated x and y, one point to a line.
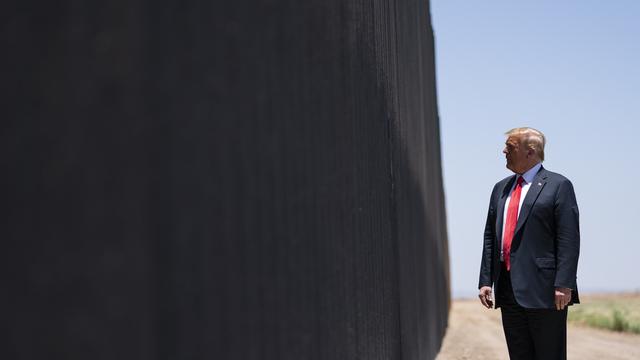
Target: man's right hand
485	297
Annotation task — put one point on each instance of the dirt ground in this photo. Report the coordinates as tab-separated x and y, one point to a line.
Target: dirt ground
476	333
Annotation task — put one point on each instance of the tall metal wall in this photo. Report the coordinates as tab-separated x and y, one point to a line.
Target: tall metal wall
220	180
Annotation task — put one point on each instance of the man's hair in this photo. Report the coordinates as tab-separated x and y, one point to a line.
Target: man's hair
531	138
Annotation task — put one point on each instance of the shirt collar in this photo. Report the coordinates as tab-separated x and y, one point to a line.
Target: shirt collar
531	173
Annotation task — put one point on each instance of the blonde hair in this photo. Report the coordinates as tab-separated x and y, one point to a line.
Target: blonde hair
531	138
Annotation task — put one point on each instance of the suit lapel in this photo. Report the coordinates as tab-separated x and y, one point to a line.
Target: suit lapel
500	209
538	183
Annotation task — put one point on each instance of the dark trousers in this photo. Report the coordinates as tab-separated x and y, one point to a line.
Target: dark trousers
532	334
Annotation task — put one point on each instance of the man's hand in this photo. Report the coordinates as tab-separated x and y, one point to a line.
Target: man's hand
485	297
563	296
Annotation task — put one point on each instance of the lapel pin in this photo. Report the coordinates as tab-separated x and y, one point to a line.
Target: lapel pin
539	184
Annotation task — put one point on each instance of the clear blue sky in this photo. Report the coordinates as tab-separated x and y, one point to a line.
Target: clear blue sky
570	69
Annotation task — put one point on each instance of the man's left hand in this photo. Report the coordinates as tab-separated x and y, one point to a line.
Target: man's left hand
563	297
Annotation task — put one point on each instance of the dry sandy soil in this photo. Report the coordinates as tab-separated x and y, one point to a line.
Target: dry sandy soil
476	333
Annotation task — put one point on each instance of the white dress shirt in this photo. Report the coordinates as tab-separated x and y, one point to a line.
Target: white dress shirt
528	178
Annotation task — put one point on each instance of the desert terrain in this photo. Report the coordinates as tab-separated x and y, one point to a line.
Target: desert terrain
476	333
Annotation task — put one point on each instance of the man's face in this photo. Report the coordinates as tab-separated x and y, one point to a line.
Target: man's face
516	154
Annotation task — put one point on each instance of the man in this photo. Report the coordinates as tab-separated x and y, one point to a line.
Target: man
530	254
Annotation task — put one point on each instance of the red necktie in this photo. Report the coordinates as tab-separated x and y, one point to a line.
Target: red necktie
512	220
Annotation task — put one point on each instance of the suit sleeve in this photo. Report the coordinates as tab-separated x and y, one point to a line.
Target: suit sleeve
567	236
486	263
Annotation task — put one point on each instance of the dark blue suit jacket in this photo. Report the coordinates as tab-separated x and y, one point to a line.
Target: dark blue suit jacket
546	243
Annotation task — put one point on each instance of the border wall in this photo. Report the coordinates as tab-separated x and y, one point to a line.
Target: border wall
221	180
